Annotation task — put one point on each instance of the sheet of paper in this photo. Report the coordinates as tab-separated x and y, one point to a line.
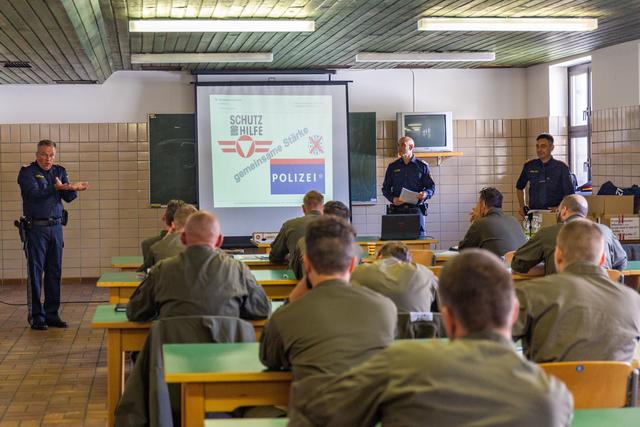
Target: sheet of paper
409	196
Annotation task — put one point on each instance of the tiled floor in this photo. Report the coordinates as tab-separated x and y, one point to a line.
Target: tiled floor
55	377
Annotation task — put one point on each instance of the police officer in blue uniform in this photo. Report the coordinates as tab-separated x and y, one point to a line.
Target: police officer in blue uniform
549	179
410	173
43	186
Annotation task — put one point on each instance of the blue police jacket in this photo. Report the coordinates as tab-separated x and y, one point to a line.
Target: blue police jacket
40	199
548	182
413	176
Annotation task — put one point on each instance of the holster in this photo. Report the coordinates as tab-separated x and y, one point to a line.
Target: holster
22	224
65	217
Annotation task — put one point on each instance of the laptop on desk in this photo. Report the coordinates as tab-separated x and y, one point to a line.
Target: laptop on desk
400	227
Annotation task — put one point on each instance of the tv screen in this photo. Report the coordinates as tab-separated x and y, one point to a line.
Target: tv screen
429	131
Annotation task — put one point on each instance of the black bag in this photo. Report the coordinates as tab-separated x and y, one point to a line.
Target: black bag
610	189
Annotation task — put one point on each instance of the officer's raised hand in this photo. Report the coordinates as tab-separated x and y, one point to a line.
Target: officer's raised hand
77	186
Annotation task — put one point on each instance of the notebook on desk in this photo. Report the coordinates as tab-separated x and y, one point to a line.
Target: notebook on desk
400	227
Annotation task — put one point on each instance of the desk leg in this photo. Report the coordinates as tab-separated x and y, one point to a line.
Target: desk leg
114	296
115	371
192	405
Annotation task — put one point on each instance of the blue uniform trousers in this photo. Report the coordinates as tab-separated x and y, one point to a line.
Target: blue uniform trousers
44	264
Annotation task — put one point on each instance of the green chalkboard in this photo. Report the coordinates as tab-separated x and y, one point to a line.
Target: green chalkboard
362	157
172	158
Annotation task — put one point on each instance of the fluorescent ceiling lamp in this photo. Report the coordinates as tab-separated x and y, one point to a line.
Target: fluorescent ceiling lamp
219	25
426	57
192	58
507	24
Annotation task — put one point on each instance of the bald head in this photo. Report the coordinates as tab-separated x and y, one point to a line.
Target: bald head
405	146
575	205
202	228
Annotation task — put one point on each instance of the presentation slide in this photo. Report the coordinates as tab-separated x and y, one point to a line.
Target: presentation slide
268	150
263	145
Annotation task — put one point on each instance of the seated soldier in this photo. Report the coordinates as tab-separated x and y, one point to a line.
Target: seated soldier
167	219
329	325
170	245
579	313
412	287
293	229
541	246
492	229
477	378
332	207
201	281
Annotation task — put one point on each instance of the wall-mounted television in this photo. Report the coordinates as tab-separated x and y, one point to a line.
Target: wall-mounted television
431	132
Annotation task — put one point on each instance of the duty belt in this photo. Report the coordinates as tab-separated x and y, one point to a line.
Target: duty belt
46	222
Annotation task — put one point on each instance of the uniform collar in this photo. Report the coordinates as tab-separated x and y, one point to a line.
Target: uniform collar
494	211
584	268
573	218
414	159
488	336
331	282
42	170
313	213
201	249
551	160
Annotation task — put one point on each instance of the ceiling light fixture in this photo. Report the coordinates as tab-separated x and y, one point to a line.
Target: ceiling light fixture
507	24
426	57
193	58
219	25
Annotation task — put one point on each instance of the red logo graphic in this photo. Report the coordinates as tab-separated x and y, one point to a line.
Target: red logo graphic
315	145
245	146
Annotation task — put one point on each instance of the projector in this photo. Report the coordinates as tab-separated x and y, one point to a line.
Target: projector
264	236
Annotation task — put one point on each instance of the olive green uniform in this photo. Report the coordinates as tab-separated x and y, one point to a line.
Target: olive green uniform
477	380
495	232
412	287
201	281
579	314
288	237
328	330
541	248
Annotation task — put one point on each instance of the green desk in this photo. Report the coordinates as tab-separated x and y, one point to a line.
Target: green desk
259	262
126	262
369	244
253	261
126	336
277	284
121	284
220	378
623	417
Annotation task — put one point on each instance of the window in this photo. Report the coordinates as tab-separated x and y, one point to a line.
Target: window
580	122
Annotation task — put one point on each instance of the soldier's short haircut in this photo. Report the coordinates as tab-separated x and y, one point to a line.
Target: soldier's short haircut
575	203
546	136
478	290
330	244
397	250
491	197
46	143
337	208
172	207
581	240
313	199
182	214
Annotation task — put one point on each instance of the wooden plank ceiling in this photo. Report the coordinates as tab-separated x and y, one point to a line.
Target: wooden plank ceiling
87	40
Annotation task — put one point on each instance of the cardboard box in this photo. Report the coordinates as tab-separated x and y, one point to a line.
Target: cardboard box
609	205
625	227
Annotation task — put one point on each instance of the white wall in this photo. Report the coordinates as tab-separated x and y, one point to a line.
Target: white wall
469	94
127	96
537	91
558	91
616	76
